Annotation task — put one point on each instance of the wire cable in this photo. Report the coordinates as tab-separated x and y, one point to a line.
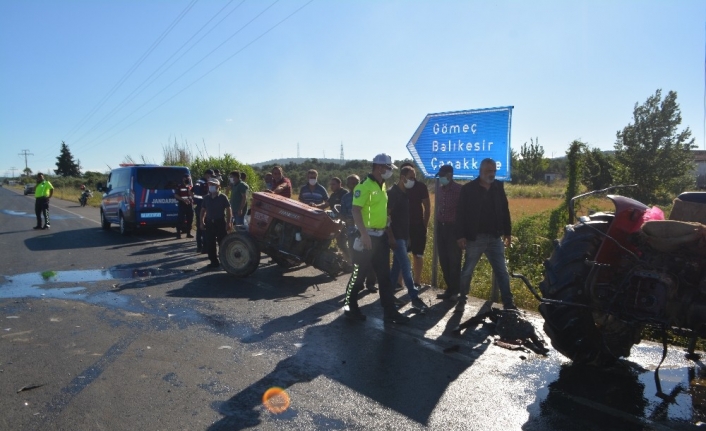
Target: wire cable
133	67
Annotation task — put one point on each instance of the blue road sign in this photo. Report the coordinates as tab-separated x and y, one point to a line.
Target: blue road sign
463	139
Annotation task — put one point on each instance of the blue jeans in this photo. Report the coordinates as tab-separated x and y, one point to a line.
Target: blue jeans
400	262
494	250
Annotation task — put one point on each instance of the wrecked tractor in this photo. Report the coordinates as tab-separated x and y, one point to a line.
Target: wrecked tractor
614	273
290	232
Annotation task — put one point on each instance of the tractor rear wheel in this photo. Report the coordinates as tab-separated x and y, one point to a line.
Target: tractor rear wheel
583	335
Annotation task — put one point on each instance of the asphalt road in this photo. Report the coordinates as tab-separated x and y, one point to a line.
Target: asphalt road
104	332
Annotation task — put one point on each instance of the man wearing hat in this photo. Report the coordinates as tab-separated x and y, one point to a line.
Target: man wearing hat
372	249
215	219
449	252
483	227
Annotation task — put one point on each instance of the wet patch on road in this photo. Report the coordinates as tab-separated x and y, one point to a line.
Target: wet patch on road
33	216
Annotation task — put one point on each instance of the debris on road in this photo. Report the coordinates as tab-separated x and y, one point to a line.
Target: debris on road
29	387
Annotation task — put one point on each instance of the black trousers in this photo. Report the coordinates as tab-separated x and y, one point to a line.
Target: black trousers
450	256
369	277
215	232
41	208
377	259
185	217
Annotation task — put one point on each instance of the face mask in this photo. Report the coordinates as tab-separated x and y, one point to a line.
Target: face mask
387	174
444	181
312	181
212	189
232	180
408	184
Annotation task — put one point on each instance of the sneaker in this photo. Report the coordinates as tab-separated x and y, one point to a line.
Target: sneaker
213	265
460	307
398	287
46	226
418	304
372	288
188	235
354	314
396	317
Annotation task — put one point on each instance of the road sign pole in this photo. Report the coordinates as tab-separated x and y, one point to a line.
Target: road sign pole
434	254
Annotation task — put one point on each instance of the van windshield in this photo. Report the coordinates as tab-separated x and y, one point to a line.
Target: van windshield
160	178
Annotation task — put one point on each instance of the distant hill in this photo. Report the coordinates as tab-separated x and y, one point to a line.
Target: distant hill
298	161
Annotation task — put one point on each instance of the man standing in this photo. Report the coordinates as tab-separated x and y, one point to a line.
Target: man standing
449	252
313	194
280	184
216	219
419	214
238	197
200	190
372	247
337	192
185	211
484	228
398	234
42	193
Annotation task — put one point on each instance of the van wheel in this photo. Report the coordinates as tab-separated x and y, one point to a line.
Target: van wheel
123	226
239	254
105	224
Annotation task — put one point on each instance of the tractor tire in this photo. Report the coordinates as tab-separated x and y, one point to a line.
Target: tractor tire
239	254
583	335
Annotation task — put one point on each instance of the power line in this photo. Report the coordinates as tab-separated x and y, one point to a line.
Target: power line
25	153
202	76
133	67
150	80
177	78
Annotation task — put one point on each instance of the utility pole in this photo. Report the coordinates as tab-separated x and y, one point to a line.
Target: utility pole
341	150
13	169
26	153
297	150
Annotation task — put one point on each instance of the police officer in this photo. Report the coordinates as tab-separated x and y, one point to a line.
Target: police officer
372	248
42	193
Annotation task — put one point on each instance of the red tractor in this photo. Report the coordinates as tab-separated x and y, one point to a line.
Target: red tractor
290	232
613	273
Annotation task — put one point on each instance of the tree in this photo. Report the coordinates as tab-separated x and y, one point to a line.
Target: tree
532	165
177	155
27	171
651	153
596	169
65	165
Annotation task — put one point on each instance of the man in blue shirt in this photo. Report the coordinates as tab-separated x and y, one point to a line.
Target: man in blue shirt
313	193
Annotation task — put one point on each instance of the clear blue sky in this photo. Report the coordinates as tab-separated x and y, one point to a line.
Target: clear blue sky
364	73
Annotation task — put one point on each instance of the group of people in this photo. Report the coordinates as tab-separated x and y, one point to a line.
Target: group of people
473	219
216	214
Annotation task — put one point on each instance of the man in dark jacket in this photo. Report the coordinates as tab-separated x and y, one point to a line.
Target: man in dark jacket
483	227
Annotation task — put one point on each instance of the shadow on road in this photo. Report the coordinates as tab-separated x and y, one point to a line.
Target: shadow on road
393	371
622	397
